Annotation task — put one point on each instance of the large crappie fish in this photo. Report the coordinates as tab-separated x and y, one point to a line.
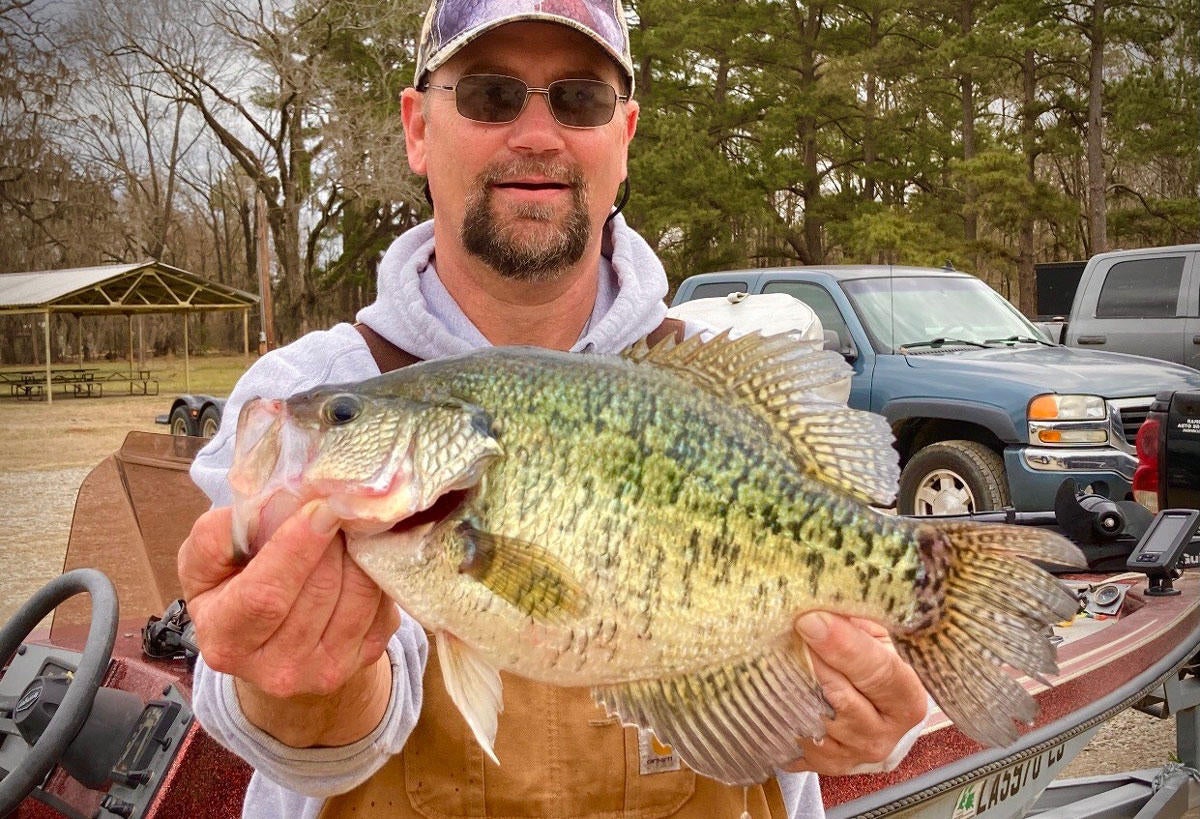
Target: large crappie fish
650	525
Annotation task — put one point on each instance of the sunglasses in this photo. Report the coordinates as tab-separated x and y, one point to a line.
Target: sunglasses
495	98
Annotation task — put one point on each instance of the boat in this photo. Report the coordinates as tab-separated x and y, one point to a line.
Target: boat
1140	655
125	677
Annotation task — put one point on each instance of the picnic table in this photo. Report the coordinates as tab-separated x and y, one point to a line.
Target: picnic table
80	382
77	381
137	379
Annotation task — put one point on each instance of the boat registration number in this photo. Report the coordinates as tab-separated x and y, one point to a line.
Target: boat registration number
1029	776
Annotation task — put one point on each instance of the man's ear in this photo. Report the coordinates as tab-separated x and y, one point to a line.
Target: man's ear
629	122
412	115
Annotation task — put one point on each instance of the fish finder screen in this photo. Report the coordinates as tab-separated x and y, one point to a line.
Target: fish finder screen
1170	528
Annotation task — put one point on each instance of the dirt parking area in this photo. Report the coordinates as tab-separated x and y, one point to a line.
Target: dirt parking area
46	451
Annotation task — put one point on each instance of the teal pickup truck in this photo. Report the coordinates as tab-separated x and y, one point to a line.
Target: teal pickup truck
987	412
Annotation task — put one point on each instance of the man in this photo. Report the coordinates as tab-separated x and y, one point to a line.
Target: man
520	120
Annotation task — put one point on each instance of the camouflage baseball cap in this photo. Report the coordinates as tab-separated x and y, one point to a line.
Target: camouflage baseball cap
451	24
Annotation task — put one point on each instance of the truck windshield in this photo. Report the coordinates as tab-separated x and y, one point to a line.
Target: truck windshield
932	311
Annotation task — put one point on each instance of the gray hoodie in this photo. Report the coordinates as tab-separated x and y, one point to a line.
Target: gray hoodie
416	313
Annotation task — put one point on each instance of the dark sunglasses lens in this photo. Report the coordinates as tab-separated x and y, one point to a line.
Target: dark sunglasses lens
489	97
582	103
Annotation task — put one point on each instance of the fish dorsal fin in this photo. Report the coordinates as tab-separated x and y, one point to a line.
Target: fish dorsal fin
474	686
736	723
780	379
522	573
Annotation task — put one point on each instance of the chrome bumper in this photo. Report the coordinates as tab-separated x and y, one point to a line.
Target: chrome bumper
1101	459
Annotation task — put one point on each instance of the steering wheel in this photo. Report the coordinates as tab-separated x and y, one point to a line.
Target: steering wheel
77	702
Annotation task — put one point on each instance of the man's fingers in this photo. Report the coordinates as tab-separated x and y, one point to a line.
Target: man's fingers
356	606
295	549
205	559
385	624
859	657
258	601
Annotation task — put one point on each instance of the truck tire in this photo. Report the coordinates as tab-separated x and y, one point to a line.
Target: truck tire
952	478
210	419
179	421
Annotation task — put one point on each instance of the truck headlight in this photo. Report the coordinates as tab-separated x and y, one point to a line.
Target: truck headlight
1053	407
1058	420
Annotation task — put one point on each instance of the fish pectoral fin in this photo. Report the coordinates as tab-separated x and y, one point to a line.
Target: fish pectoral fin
736	723
523	574
474	686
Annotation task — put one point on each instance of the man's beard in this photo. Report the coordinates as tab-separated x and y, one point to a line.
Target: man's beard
532	255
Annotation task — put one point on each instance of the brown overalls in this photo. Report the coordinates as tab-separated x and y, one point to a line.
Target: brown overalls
559	757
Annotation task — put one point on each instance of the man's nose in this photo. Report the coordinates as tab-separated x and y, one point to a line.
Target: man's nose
535	128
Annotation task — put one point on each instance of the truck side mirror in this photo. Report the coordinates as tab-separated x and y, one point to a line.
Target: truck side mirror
833	341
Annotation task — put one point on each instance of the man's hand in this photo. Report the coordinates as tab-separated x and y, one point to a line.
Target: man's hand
301	627
876	696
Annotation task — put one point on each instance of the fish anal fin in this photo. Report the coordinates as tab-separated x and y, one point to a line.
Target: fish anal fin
474	686
523	574
788	384
736	723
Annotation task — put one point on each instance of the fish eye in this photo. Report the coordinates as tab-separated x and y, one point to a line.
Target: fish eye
341	409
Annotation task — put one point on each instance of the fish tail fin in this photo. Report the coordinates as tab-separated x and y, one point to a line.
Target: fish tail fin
981	595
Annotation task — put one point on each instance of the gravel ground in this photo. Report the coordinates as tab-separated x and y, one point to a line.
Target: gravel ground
45	452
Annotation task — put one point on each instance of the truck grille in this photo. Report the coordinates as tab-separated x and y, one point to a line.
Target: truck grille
1133	412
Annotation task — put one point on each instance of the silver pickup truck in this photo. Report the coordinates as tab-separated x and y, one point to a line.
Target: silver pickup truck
1145	302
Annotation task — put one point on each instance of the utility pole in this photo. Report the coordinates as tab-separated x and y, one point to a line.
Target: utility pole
266	336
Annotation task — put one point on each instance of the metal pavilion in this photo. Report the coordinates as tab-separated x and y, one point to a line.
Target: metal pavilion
120	289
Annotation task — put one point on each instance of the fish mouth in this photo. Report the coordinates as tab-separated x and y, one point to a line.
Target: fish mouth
444	508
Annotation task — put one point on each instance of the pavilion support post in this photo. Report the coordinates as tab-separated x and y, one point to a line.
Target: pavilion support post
246	334
79	337
130	335
187	369
46	338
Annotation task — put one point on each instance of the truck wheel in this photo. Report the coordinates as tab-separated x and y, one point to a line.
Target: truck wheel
952	478
210	419
179	421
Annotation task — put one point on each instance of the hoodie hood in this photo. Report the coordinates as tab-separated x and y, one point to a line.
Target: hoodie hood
630	301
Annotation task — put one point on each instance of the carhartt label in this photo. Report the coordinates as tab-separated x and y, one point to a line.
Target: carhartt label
655	757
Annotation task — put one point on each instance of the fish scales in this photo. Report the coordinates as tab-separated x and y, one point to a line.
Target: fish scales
639	434
650	526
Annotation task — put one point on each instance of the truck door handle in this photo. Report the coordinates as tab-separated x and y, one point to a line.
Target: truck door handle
1196	339
1091	340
